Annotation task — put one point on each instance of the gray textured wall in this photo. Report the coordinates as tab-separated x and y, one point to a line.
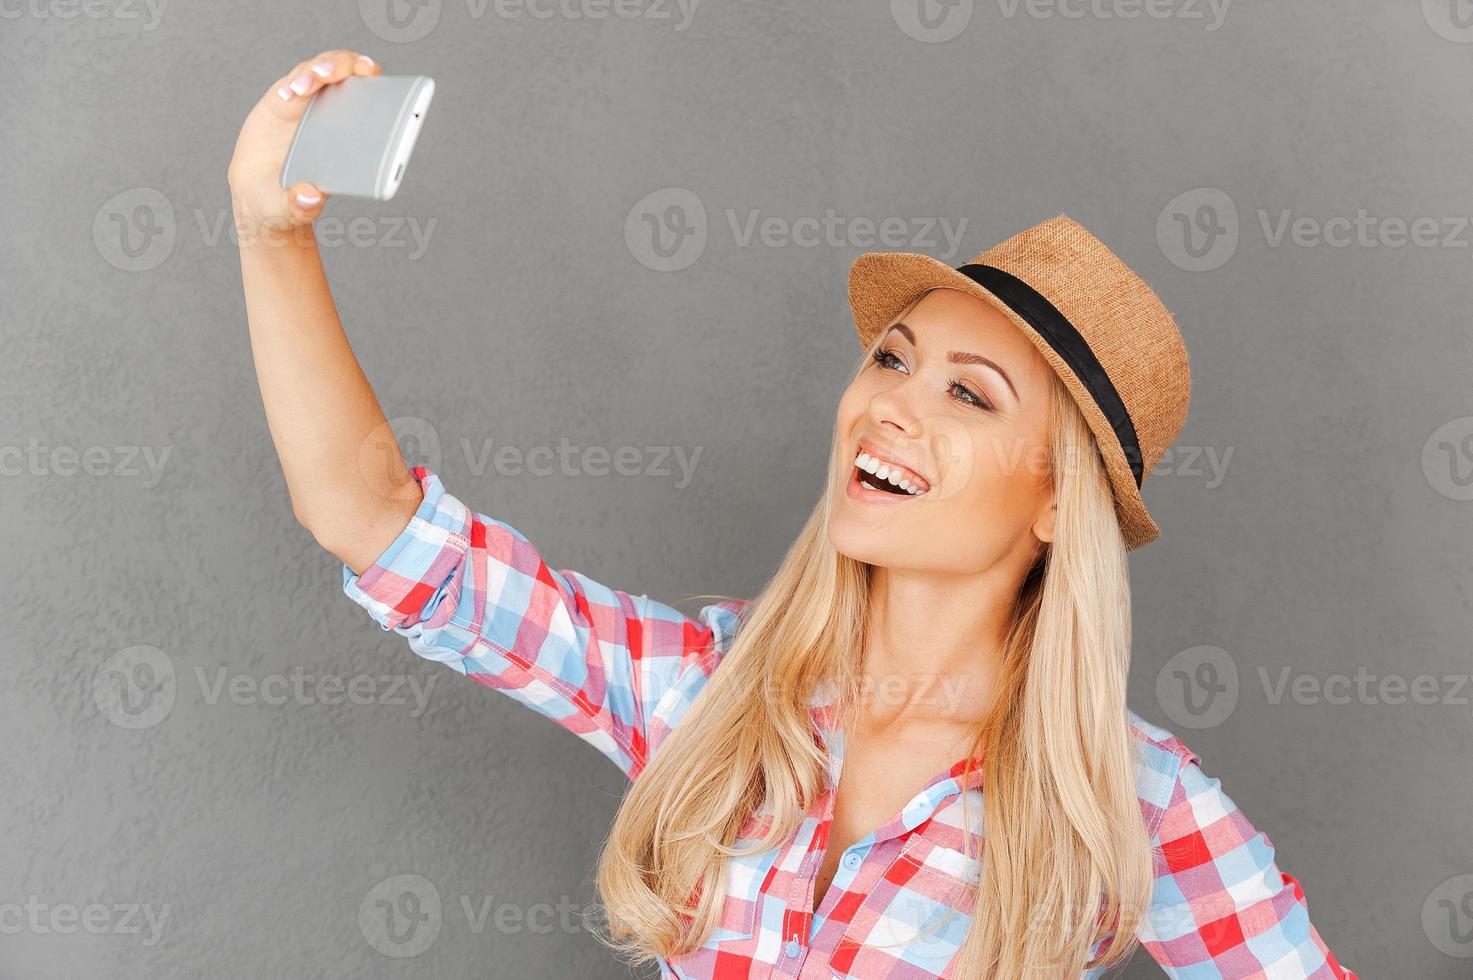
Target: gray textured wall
1317	523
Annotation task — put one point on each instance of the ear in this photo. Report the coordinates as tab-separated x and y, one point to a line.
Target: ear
1043	528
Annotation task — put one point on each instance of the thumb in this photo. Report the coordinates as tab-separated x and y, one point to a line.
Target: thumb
305	202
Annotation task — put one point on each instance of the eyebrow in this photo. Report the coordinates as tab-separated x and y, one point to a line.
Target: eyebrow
962	357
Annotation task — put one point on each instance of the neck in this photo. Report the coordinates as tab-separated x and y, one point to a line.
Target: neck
934	644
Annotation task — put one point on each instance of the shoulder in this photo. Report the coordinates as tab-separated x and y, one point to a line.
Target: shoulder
1161	757
702	641
1158	739
724	619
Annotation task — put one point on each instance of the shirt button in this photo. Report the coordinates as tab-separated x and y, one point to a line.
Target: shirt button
852	860
792	948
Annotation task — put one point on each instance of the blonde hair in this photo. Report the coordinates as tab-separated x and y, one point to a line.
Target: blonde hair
1068	858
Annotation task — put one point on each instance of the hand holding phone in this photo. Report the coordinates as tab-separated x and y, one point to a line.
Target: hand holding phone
267	209
355	137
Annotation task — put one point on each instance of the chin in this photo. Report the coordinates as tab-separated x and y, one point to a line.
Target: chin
871	545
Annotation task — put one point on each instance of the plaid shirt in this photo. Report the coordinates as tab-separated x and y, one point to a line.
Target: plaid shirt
620	670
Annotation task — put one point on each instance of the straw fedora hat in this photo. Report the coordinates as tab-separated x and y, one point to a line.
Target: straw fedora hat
1099	326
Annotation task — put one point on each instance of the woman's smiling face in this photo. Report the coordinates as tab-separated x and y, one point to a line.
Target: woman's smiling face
959	398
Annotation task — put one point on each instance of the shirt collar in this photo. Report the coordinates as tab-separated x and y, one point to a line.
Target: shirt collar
941	789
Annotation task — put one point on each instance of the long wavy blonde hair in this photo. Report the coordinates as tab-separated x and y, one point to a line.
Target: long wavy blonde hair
1068	859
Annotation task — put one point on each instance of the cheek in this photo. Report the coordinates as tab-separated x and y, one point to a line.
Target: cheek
853	410
852	403
993	473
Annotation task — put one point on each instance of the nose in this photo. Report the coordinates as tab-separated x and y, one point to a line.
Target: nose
894	409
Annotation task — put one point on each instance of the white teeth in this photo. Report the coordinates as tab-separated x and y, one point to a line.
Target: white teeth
883	471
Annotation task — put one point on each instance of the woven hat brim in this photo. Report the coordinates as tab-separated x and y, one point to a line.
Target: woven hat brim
881	284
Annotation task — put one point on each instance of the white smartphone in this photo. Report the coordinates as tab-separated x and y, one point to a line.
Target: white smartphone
355	137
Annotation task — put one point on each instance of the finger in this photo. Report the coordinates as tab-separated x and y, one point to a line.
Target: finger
305	201
364	65
314	73
308	77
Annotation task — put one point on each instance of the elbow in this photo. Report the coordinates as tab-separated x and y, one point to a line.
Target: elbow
323	531
317	528
359	539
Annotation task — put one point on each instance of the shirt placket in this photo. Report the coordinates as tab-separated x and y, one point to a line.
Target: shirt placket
798	919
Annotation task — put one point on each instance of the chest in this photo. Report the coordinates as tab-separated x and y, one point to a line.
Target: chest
898	904
879	777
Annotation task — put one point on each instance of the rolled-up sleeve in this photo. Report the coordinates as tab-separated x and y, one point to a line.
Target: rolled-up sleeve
473	593
1221	906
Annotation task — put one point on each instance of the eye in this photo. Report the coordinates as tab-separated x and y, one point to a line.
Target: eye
887	358
966	394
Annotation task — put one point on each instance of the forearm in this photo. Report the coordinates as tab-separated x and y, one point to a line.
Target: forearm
348	481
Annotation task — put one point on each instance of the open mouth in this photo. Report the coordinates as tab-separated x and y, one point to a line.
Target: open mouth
887	477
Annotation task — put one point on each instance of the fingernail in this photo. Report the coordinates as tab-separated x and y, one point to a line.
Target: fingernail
301	83
285	93
323	68
307	199
366	60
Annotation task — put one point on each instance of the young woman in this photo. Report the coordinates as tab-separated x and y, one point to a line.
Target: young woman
938	664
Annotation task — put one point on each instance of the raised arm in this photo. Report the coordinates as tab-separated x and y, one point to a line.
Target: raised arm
348	481
464	589
473	593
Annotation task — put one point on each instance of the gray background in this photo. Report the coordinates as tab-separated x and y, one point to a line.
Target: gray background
1338	537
